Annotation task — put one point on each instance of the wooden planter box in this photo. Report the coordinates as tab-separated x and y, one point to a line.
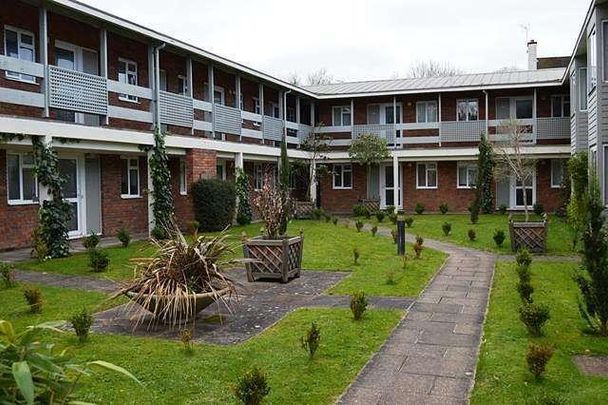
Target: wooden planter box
529	235
279	259
303	209
371	205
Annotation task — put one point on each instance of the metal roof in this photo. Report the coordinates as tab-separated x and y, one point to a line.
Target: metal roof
527	78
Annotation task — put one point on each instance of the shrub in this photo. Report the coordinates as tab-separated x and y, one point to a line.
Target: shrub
252	387
523	258
393	218
311	340
39	249
91	241
524	273
358	305
419	208
472	235
318	213
394	235
334	220
537	358
443	208
356	255
33	296
390	209
502	209
214	204
525	290
538	208
380	215
124	236
446	228
158	233
241	188
390	277
409	221
419	240
418	246
367	214
82	322
534	316
474	211
7	273
374	230
98	260
499	237
359	225
326	217
186	337
360	210
193	227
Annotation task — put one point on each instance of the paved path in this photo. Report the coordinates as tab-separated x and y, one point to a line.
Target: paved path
431	356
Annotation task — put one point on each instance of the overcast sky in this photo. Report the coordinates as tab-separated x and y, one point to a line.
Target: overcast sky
362	39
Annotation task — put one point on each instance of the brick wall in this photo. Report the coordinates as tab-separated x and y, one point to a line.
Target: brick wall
342	201
548	196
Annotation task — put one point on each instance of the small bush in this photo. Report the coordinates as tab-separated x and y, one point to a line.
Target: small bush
33	296
472	235
98	260
327	217
311	340
418	246
124	236
537	358
159	233
524	273
499	237
419	240
186	337
252	387
380	215
419	208
374	230
390	209
443	208
502	209
359	225
446	228
91	241
7	274
318	213
82	322
525	290
334	220
523	258
360	210
193	226
214	203
534	316
409	221
393	218
356	255
39	248
538	208
390	277
474	211
394	235
358	305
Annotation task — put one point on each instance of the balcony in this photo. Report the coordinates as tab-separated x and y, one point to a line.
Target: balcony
227	119
176	109
77	91
553	128
462	131
384	131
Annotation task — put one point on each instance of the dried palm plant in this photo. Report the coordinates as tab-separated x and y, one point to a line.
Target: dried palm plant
169	283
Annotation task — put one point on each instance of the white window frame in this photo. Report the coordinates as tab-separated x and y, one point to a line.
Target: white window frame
184	90
130	166
562	98
562	164
513	106
514	188
467	100
592	71
258	176
582	92
20	200
344	168
428	167
343	109
21	77
222	92
128	97
183	181
275	111
425	105
221	164
470	166
256	105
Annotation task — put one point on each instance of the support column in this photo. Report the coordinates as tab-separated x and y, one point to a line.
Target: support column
152	83
534	122
396	188
239	95
487	113
439	116
190	88
157	84
262	112
44	56
211	80
395	119
151	219
298	110
313	182
312	114
103	61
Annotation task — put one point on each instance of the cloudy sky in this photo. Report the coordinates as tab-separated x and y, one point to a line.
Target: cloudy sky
362	39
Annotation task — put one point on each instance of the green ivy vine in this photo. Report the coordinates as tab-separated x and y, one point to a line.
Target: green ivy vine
162	207
243	214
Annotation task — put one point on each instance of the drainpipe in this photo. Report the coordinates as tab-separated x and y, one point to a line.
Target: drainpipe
157	81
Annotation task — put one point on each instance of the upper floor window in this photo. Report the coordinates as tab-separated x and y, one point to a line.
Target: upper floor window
343	176
182	85
127	73
19	44
560	106
389	112
514	108
21	180
582	88
256	105
467	175
219	95
275	111
426	111
426	175
592	54
467	110
183	182
291	114
341	116
129	187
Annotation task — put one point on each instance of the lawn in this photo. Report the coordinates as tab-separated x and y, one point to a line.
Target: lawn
502	372
429	226
169	375
326	247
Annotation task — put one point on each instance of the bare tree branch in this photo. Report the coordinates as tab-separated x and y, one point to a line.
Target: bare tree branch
319	77
433	68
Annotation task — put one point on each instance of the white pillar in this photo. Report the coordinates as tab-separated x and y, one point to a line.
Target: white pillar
211	80
190	88
297	109
313	182
534	116
237	85
439	116
44	56
396	188
395	119
103	60
487	113
152	82
157	84
262	112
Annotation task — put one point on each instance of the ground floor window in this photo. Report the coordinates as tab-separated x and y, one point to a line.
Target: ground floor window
183	183
426	175
557	172
524	192
129	187
21	180
258	176
467	175
343	176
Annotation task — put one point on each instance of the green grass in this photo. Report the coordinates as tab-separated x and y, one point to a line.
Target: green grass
326	247
171	376
502	373
559	240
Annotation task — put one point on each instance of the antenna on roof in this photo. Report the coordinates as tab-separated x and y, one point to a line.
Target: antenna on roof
526	29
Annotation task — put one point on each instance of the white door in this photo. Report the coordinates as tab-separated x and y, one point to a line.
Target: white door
521	195
389	195
70	168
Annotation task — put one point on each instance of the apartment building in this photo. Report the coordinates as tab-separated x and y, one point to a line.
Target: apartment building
95	86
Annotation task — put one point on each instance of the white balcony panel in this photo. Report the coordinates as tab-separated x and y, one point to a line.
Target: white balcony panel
292	139
251	133
203	125
273	128
227	119
462	131
304	132
249	116
417	125
77	91
176	109
416	140
129	89
333	129
21	66
291	125
130	114
21	97
553	128
202	105
384	131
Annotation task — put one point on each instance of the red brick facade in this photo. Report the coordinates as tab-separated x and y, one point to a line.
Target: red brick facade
342	200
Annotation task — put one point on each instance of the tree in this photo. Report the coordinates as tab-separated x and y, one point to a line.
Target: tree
294	78
163	208
577	207
369	150
485	176
317	145
433	68
319	77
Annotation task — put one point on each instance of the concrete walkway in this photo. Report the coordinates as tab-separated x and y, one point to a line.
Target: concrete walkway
431	356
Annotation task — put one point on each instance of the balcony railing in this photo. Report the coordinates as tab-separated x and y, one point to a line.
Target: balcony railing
77	91
176	109
273	128
553	128
304	132
384	131
462	131
227	119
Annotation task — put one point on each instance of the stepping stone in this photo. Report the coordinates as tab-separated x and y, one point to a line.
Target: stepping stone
592	365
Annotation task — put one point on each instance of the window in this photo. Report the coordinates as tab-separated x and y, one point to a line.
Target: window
129	187
341	116
183	182
514	108
605	49
467	175
592	54
557	173
388	114
343	176
218	95
220	171
426	175
182	85
524	108
21	181
291	114
274	110
256	105
467	110
426	111
258	176
582	88
19	44
560	106
127	73
241	102
529	191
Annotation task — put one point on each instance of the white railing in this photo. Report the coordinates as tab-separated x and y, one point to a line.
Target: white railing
227	119
304	132
273	128
553	128
384	131
176	109
77	91
462	131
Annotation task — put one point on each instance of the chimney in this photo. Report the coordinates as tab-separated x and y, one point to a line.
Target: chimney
532	55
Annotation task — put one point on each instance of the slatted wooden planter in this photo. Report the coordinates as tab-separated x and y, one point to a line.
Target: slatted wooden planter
529	235
371	205
275	259
303	209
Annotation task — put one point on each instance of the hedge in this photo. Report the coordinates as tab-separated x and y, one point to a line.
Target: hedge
214	204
